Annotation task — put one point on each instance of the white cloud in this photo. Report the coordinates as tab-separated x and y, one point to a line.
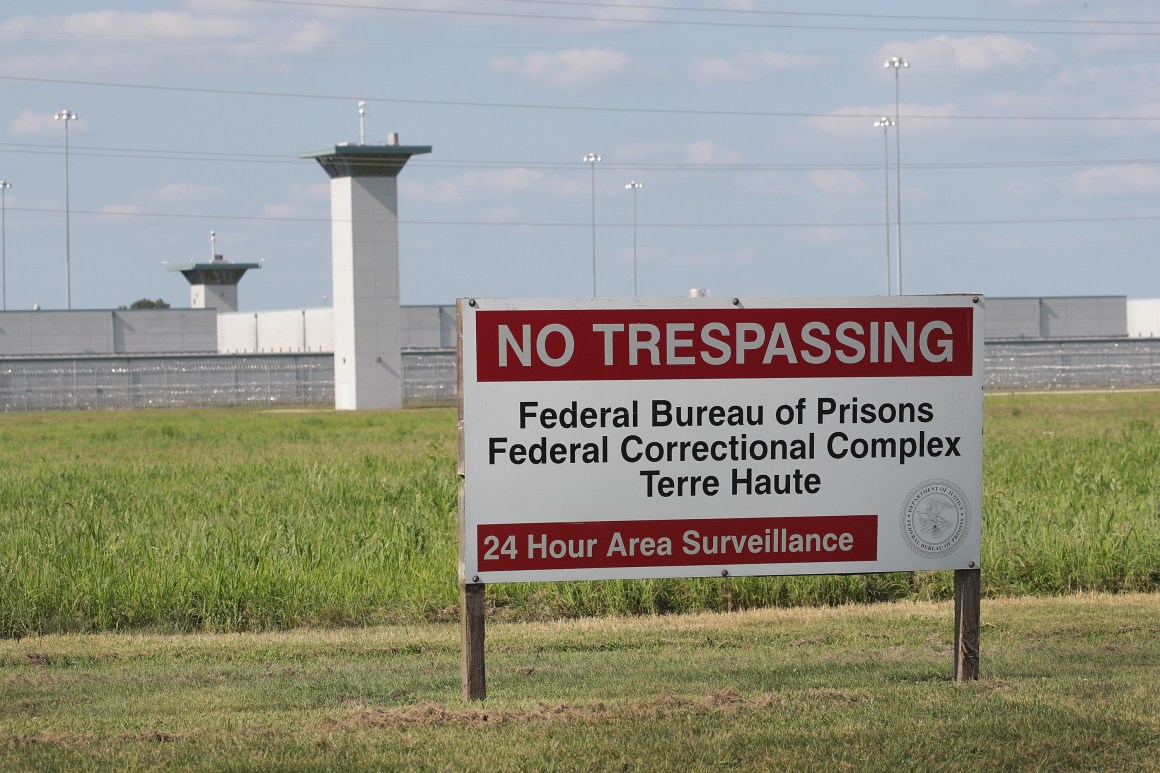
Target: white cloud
853	121
696	152
121	40
1112	181
302	201
1022	189
748	66
618	11
309	37
838	182
709	152
174	195
443	191
183	193
38	123
499	214
124	24
477	184
576	68
972	55
219	6
119	209
504	180
768	183
819	235
653	150
286	210
1023	101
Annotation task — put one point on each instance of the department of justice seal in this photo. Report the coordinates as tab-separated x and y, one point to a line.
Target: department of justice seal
935	518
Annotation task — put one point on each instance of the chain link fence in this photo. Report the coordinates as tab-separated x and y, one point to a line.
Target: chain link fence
1072	364
166	382
429	376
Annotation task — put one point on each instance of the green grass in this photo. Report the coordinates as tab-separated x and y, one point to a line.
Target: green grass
224	520
250	521
1072	492
1068	683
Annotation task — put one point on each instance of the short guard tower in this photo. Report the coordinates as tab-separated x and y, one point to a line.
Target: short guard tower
364	228
214	285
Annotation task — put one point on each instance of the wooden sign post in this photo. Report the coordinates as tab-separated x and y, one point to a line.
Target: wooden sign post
968	590
472	669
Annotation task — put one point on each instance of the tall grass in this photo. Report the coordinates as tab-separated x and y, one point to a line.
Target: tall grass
1072	493
225	521
237	520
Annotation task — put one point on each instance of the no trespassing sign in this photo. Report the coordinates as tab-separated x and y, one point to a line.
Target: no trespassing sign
607	438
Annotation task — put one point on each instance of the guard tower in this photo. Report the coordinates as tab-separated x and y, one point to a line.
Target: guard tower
214	285
364	228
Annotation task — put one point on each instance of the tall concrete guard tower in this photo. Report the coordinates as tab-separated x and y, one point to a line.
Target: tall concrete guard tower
364	228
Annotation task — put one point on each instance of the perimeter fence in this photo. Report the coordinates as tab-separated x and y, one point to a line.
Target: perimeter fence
1117	363
184	381
429	376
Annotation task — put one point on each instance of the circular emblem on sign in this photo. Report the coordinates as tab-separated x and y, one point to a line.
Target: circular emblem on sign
935	518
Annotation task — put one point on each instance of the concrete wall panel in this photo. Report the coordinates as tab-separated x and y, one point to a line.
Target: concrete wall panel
1057	317
1144	318
124	331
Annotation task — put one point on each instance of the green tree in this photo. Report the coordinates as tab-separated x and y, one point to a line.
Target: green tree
145	303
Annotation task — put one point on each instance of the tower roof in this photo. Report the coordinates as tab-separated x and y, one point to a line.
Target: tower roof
345	160
217	272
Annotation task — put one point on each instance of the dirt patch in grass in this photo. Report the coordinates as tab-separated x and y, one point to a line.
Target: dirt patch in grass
985	686
27	740
36	679
431	713
158	736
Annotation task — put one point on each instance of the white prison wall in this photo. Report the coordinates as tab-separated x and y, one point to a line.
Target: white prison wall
312	330
115	331
1144	318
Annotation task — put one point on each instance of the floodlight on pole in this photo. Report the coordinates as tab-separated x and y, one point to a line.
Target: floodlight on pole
898	63
591	159
362	122
4	186
634	186
66	116
885	123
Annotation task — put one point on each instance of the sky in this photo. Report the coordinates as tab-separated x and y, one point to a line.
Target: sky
1027	131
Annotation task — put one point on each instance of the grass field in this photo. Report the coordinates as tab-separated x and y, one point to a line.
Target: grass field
250	521
1068	683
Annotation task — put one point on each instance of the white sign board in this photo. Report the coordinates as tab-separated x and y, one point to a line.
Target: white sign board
615	438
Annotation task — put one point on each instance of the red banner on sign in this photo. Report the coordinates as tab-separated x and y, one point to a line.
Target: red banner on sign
684	343
506	547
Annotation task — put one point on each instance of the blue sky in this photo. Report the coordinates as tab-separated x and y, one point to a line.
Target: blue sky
1028	138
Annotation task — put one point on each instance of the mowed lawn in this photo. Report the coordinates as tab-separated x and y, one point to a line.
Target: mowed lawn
1068	683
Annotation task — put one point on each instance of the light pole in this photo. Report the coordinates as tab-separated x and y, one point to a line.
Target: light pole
634	186
898	63
591	159
886	123
4	186
66	116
